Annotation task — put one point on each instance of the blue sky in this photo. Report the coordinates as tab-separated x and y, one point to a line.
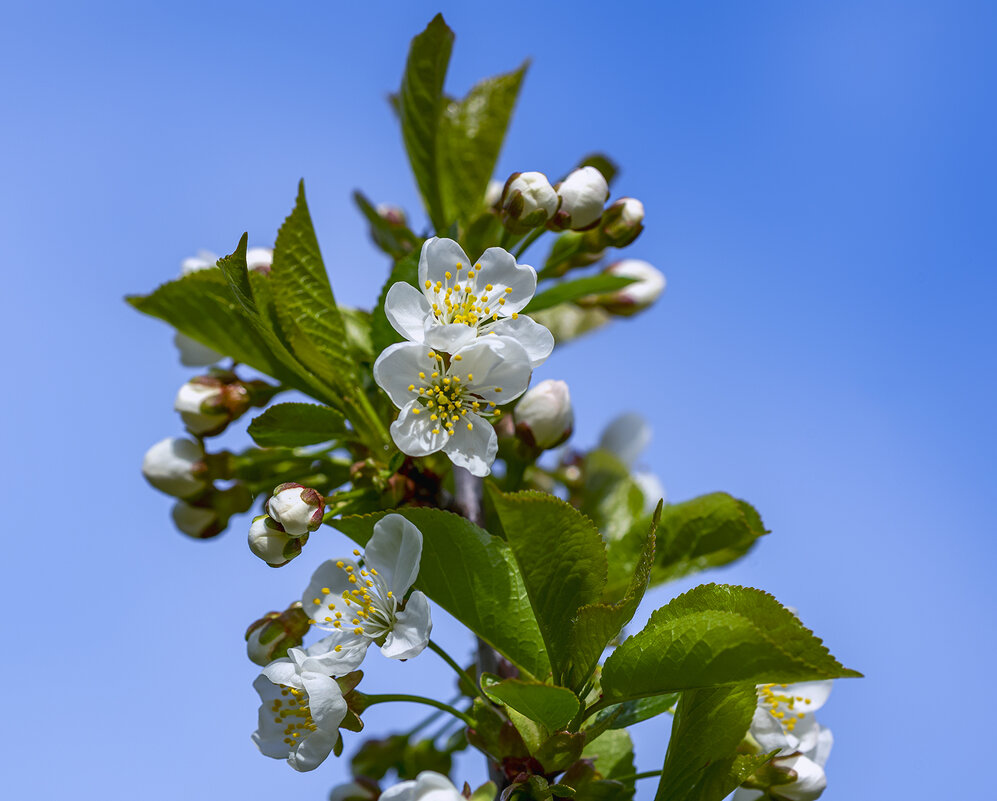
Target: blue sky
819	183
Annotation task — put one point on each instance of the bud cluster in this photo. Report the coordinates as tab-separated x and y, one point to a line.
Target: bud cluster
293	511
208	403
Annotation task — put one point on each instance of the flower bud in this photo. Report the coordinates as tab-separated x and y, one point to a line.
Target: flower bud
269	541
583	194
298	509
204	260
360	789
528	201
801	779
198	522
544	417
193	353
392	215
623	222
201	404
259	260
175	466
271	636
635	297
493	194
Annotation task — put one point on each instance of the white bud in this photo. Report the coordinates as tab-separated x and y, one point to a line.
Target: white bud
194	402
298	509
537	193
493	194
193	353
809	783
204	260
170	467
195	521
635	297
352	791
626	437
545	413
632	212
583	194
270	542
259	259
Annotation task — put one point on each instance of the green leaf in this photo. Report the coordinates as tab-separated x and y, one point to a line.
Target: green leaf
597	624
707	531
717	635
471	134
473	576
612	499
702	763
420	107
560	750
631	712
304	302
613	752
576	288
406	271
291	425
552	707
538	526
395	240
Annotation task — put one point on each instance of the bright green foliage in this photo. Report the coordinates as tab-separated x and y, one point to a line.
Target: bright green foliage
303	301
538	526
717	635
420	106
474	576
552	707
577	288
296	424
613	752
560	750
621	716
396	241
597	624
471	135
702	763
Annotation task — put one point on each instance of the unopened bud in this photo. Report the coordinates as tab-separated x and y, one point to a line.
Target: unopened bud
271	636
298	509
622	222
528	201
204	260
493	194
583	194
259	260
360	789
544	417
269	541
175	466
647	287
193	353
392	215
201	404
198	522
799	779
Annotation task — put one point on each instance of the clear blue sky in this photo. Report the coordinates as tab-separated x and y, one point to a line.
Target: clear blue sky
820	189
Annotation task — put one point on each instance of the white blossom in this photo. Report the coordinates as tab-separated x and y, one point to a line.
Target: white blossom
302	706
545	415
298	509
427	786
583	194
635	297
446	406
458	301
172	465
200	407
362	601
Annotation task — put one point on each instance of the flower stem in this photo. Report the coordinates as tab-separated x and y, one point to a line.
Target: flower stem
534	235
648	774
370	700
457	669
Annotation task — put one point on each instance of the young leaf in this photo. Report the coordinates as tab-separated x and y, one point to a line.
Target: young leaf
291	425
597	624
536	526
473	576
702	763
304	302
622	716
576	288
395	240
552	707
420	107
613	752
717	635
471	135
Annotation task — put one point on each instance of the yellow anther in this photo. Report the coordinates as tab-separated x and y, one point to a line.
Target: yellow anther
498	389
489	287
328	620
422	376
449	275
470	426
373	572
331	606
316	601
358	630
416	411
457	357
391	594
411	387
339	563
339	615
429	284
470	376
353	579
515	315
470	273
349	568
338	648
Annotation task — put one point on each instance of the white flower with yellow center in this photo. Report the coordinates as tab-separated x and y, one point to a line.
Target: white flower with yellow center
302	706
458	300
445	400
427	786
363	601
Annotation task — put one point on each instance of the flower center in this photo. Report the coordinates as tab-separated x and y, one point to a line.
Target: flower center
782	706
446	397
366	610
457	300
291	711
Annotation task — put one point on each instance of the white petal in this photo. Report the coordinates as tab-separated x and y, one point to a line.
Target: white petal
823	748
449	337
193	353
536	340
325	659
410	634
413	433
325	700
407	309
403	791
398	368
433	786
500	368
473	449
439	256
394	551
744	794
626	437
769	732
810	780
327	577
813	693
283	671
498	267
313	751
